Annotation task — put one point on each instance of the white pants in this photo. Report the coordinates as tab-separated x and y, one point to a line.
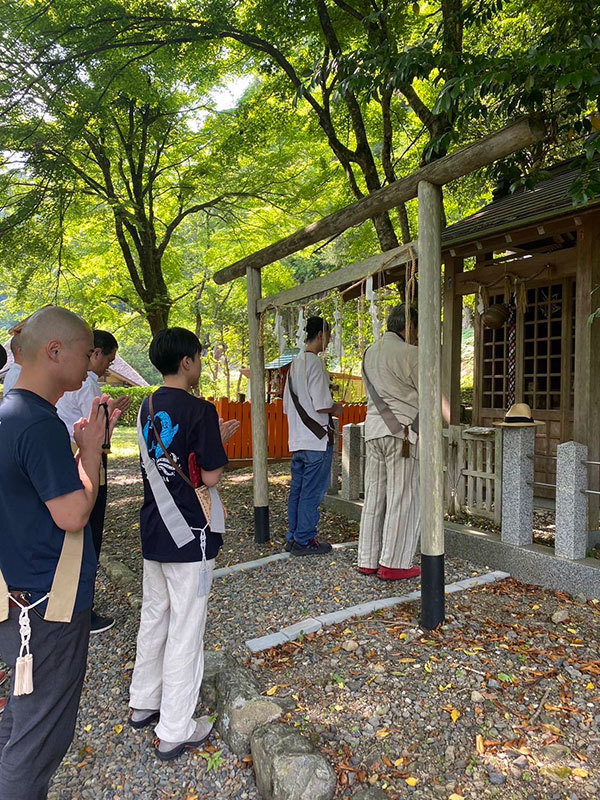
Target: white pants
391	517
170	649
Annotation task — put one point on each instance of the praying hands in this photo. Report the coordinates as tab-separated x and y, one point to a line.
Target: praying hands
228	429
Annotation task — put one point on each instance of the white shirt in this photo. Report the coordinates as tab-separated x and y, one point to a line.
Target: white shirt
311	383
11	377
392	367
72	406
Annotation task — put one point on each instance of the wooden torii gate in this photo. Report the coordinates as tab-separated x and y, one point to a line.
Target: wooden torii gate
425	184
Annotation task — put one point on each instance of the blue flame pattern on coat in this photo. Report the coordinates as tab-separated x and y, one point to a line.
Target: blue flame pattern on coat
167	433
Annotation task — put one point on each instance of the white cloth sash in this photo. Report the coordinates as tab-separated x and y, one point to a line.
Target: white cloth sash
175	522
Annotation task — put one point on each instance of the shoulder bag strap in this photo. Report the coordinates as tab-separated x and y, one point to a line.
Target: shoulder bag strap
394	425
388	416
312	424
171	461
203	493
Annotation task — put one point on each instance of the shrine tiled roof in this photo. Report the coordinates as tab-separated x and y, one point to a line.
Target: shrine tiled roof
550	198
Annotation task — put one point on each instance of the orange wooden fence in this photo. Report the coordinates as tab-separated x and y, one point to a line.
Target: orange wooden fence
240	445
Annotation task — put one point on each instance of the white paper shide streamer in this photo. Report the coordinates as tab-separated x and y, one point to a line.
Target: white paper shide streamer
301	335
337	340
279	332
373	310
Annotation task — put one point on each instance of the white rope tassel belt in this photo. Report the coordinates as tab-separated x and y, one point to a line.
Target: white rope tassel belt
23	682
205	580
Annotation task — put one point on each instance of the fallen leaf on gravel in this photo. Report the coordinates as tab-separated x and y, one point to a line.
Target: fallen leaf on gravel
411	781
398	762
579	772
454	714
552	728
382	733
87	728
118	728
590	685
456	797
444	688
479	744
270	692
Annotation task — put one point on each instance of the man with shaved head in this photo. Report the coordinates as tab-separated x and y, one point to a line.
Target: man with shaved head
47	557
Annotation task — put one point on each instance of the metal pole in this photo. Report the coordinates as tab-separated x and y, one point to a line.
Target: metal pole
430	406
258	410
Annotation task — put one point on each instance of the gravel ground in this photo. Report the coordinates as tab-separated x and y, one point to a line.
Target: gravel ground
108	760
255	603
122	533
503	702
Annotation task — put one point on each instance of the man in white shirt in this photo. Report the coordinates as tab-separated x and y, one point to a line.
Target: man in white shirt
390	521
14	370
308	403
74	406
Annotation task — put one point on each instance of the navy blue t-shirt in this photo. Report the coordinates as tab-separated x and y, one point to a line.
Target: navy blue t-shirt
186	424
36	465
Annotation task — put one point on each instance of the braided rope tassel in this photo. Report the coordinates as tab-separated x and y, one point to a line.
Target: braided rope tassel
23	682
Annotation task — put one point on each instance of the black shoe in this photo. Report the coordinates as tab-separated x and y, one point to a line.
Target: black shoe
314	547
288	546
100	624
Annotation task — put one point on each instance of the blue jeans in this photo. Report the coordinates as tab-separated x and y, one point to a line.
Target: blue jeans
311	470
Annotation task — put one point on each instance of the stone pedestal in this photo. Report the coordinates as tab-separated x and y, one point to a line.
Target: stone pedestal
334	485
351	466
571	501
518	445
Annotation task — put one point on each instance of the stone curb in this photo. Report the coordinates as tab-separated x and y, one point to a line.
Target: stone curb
247	566
313	624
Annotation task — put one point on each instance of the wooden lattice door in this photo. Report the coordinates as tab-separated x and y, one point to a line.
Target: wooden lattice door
545	345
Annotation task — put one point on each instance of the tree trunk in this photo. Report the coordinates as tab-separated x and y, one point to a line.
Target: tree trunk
157	314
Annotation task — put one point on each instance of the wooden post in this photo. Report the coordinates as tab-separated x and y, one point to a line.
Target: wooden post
452	339
258	410
586	423
430	406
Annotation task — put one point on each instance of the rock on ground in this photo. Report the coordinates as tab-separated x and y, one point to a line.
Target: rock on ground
372	793
288	767
241	709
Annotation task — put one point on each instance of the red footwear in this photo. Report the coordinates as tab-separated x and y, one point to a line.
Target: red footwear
3	702
367	570
3	676
389	574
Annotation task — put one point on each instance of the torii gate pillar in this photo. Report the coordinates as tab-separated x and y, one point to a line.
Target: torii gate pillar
430	406
258	410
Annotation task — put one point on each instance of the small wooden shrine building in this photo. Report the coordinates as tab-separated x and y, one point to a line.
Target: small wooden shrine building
539	252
